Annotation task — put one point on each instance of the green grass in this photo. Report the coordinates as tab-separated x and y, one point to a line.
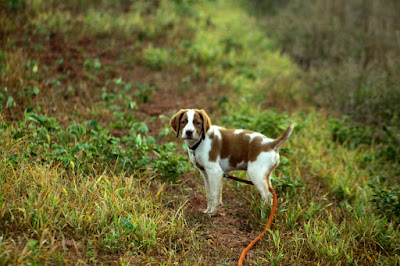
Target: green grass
89	171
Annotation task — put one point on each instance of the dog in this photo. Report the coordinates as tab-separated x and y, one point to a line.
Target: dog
216	150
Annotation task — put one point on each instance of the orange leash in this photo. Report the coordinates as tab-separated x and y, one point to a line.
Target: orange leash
271	218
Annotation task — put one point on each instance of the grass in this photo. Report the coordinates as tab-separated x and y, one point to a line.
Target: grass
96	217
90	174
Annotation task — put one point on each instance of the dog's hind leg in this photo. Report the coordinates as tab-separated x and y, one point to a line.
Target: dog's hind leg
261	179
262	187
260	172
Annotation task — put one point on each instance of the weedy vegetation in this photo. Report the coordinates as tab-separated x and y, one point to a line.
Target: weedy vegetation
91	174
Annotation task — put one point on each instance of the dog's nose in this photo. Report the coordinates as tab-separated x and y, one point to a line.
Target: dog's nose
189	133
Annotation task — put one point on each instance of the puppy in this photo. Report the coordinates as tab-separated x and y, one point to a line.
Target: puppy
215	150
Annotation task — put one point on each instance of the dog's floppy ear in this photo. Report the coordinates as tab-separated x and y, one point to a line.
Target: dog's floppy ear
175	121
206	121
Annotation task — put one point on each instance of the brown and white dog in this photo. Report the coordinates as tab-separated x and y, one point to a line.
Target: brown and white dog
215	150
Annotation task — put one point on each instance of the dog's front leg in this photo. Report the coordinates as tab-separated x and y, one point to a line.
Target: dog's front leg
208	193
215	180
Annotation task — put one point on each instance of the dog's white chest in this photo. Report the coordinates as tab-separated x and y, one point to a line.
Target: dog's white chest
195	158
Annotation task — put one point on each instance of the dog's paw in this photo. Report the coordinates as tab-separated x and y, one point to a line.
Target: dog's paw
212	212
207	211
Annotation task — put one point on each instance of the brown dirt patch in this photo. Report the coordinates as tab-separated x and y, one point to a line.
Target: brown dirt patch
225	235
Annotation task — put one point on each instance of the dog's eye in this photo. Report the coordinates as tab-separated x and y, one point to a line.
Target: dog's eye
183	122
198	123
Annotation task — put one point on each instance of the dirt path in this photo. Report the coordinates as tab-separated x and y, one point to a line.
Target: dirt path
226	234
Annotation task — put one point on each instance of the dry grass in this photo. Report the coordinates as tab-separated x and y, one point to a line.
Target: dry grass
51	215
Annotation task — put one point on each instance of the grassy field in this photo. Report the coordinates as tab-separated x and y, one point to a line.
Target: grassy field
90	172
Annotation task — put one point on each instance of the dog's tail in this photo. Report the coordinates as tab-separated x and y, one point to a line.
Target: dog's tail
282	138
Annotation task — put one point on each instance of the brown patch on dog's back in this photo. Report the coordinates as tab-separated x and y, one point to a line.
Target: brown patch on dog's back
257	147
216	147
237	147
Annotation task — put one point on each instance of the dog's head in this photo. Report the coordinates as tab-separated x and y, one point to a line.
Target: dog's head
193	123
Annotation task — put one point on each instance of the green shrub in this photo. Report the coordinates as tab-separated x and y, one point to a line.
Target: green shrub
386	201
143	92
347	132
156	58
16	4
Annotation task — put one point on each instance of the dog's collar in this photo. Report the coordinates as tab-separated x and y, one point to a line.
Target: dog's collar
194	147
